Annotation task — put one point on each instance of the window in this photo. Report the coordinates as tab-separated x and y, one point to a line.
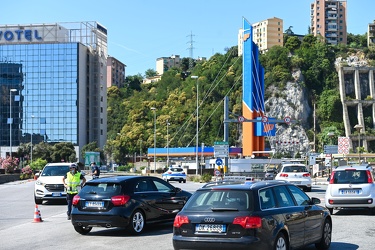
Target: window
300	197
267	199
283	197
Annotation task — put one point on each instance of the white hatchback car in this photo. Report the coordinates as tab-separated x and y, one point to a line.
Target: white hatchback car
297	174
174	174
351	187
49	185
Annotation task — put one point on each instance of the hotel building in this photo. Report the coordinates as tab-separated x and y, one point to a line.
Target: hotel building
53	84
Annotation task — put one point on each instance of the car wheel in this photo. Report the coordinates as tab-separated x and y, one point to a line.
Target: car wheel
325	241
179	181
38	201
281	242
184	181
82	230
137	222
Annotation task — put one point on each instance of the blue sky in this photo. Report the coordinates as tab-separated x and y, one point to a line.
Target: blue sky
140	31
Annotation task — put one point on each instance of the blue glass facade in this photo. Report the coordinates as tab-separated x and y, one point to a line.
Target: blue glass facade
45	103
53	84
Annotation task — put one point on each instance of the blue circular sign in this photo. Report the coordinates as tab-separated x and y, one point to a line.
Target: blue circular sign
219	162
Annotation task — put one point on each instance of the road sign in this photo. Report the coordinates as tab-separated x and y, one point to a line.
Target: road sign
217	172
344	145
221	149
241	118
264	119
330	149
287	119
219	162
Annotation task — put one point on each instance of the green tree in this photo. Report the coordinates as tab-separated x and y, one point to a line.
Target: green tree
63	152
150	73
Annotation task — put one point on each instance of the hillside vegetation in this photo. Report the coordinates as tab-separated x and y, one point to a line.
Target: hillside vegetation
131	119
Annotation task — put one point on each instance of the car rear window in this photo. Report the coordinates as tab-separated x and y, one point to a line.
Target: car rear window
208	200
350	176
176	169
102	188
297	168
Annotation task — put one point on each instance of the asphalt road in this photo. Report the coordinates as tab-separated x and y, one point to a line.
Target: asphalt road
352	229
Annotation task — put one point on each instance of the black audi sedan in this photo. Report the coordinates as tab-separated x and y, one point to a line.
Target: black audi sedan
126	201
274	215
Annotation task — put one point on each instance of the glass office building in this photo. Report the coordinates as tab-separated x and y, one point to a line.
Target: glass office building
53	84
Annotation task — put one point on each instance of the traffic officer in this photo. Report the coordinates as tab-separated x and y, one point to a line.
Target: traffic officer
72	180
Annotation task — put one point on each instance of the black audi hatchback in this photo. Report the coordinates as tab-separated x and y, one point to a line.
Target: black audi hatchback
273	215
126	201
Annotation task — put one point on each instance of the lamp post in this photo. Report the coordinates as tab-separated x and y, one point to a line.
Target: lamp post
168	143
197	129
154	109
331	134
358	127
140	150
31	151
10	120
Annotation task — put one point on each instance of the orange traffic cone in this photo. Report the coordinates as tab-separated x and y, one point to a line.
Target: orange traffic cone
37	217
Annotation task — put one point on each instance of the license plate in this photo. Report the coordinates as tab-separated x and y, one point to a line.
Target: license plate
349	191
295	182
56	194
94	203
210	228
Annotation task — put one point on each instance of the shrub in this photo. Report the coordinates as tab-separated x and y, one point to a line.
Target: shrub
206	177
9	164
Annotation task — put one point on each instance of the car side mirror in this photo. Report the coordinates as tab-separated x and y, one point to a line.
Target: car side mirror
177	190
315	200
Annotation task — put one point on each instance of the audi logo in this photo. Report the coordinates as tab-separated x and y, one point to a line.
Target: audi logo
209	219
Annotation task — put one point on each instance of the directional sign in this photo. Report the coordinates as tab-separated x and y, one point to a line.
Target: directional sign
219	162
221	149
330	149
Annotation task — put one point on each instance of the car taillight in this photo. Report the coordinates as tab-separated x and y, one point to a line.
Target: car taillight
306	175
169	172
331	178
179	220
120	200
283	175
75	200
248	221
369	177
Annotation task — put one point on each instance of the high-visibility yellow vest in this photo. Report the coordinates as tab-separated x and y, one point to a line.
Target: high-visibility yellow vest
73	181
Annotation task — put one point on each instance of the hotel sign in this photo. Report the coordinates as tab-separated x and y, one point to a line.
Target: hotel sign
42	33
19	35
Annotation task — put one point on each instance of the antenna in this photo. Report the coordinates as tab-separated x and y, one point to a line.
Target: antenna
191	49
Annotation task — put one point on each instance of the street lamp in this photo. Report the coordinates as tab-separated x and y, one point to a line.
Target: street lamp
197	140
331	134
358	127
154	109
140	150
11	119
168	143
31	152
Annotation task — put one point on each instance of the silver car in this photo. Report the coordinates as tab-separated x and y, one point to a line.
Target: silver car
351	187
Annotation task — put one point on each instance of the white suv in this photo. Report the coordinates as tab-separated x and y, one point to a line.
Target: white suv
351	187
297	174
49	185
